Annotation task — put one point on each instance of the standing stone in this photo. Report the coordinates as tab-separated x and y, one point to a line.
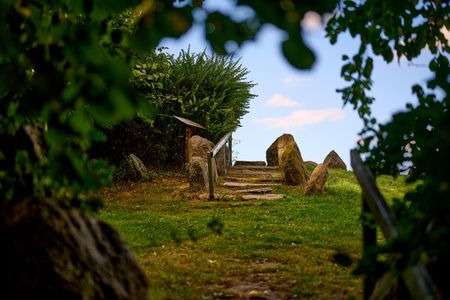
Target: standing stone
278	147
317	180
52	252
132	169
333	161
198	146
223	160
310	164
292	166
198	175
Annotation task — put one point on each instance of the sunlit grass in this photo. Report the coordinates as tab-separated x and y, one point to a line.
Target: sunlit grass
275	249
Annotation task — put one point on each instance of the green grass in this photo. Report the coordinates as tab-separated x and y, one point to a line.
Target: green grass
282	249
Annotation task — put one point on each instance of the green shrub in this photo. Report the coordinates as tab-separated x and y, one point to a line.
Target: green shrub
210	90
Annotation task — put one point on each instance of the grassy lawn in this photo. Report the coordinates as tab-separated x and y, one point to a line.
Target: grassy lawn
192	249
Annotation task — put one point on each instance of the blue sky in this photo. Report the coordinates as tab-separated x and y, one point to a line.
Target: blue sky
305	103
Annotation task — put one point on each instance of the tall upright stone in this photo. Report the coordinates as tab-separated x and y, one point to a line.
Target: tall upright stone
278	147
198	175
199	146
317	180
334	161
292	166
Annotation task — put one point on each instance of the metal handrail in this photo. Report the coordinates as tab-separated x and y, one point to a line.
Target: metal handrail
417	279
211	154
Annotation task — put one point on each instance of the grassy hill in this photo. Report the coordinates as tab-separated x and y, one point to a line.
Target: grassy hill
284	249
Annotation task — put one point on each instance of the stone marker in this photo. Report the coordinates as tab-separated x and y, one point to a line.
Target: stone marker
317	180
292	166
310	164
333	161
198	146
131	169
198	175
51	252
276	150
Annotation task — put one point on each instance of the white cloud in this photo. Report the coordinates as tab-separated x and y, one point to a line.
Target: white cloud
280	100
302	117
292	80
312	21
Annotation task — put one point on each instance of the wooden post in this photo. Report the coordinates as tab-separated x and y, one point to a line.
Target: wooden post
187	137
230	146
210	176
369	237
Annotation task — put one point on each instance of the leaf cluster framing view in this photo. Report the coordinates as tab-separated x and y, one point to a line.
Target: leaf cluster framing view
71	72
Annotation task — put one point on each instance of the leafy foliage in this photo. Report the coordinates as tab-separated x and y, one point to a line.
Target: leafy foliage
64	67
210	90
417	139
57	81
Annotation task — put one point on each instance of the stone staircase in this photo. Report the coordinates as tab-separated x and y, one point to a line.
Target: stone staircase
251	180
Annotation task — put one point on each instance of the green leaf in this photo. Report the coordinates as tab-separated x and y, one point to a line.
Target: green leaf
298	54
221	29
80	121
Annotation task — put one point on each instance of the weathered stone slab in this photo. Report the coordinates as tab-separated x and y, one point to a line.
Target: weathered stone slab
310	164
263	197
275	152
256	168
199	146
198	175
131	169
249	163
334	161
317	180
260	178
292	165
248	184
255	191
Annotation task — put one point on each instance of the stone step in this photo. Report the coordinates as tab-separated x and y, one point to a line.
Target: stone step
253	172
264	190
247	197
248	184
260	178
263	197
249	163
256	168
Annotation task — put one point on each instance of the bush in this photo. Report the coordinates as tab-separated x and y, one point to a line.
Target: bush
209	90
